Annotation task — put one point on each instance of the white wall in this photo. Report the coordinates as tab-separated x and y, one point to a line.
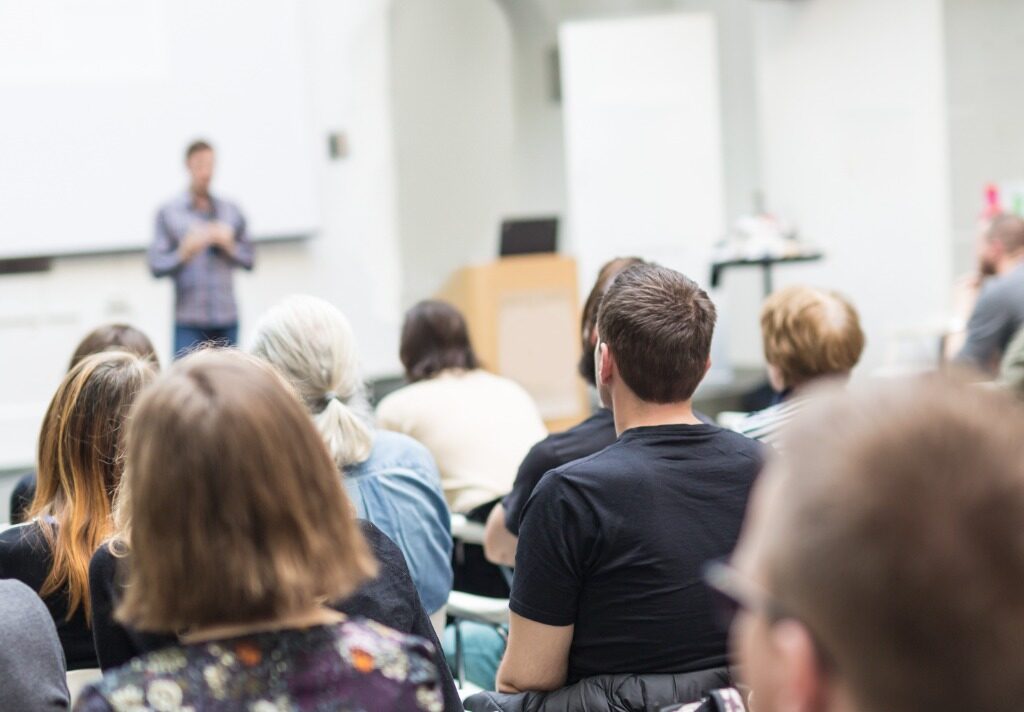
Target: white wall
853	137
353	261
454	134
984	54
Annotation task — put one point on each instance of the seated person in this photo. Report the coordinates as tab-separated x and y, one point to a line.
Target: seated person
109	337
80	465
238	531
595	433
1011	368
999	311
477	425
611	547
31	660
881	566
808	334
391	478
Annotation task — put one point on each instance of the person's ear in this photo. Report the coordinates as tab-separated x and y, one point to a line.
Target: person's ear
802	685
775	379
605	364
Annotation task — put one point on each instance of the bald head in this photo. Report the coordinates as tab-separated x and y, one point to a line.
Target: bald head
892	531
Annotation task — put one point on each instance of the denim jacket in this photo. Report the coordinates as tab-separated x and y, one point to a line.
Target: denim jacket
399	489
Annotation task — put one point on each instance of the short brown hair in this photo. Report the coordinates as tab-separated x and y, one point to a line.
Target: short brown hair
658	325
80	465
895	535
435	339
609	270
1008	229
115	337
237	511
809	333
197	146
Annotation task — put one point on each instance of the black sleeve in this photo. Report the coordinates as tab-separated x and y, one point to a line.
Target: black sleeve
560	536
21	497
391	599
114	646
535	465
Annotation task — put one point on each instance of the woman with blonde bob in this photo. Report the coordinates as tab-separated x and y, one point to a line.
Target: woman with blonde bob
239	532
391	478
79	467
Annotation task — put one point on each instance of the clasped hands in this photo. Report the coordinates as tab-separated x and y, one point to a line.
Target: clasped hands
214	234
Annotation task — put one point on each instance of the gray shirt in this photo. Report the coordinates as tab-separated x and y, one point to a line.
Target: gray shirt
204	292
998	315
31	660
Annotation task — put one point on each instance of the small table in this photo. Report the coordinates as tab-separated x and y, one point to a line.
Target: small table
765	263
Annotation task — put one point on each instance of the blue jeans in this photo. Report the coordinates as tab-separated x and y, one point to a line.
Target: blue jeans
187	338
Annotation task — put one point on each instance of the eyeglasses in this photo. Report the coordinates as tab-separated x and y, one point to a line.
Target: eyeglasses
732	592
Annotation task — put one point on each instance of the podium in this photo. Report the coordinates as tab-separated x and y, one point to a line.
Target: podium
523	317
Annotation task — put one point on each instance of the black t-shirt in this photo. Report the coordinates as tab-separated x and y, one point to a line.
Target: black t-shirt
595	433
25	555
615	544
389	599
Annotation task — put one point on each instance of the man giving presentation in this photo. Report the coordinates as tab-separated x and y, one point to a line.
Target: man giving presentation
199	241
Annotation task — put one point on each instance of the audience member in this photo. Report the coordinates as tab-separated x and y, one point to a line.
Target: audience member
611	546
80	466
881	567
999	311
1011	368
238	529
31	659
391	478
478	426
109	337
595	433
808	334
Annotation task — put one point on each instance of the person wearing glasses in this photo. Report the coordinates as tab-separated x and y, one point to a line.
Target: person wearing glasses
882	565
611	547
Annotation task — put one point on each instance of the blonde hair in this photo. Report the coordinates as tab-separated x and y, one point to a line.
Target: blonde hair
81	465
310	342
237	513
809	333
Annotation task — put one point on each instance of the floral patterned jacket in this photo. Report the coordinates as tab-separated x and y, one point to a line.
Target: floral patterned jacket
353	666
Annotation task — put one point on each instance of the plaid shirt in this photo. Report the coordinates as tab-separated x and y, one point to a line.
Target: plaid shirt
204	293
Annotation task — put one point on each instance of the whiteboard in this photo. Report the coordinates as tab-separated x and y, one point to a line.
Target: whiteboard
101	97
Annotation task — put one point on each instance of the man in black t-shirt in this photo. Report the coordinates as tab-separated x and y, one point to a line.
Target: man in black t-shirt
595	433
612	546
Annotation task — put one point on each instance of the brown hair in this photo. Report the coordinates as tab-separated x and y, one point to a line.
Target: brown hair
896	536
609	270
658	326
197	146
237	511
1008	229
80	465
435	339
115	337
809	333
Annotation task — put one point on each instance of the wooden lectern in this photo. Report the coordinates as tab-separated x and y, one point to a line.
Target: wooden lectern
523	318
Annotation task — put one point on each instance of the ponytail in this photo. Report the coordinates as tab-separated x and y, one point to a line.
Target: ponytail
348	436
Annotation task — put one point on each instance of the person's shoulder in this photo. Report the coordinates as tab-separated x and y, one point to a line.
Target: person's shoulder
130	685
391	447
15	595
368	645
25	537
732	443
103	563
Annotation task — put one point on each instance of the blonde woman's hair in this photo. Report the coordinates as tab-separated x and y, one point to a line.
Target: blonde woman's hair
310	342
80	465
237	513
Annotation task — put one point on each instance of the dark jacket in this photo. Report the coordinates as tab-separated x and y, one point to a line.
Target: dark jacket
614	693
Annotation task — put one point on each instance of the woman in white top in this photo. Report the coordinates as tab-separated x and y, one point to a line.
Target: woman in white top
478	426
